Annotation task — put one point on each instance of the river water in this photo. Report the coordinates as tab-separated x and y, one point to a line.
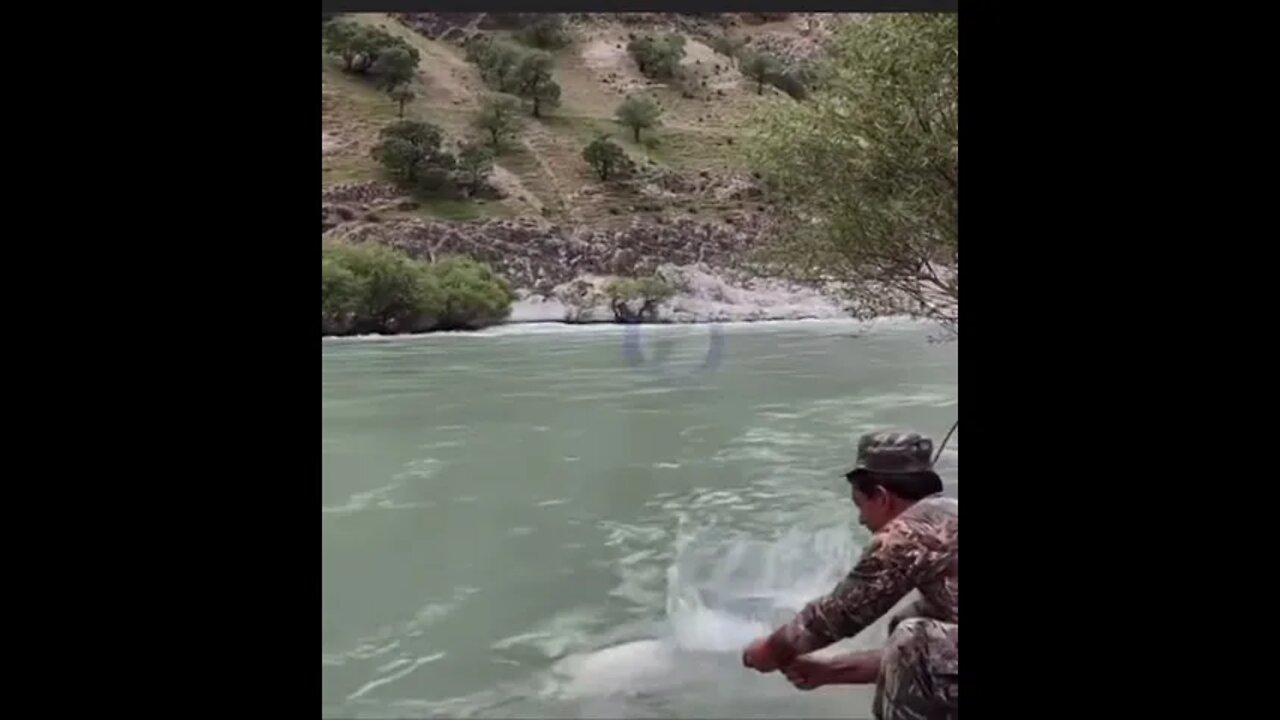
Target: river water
591	521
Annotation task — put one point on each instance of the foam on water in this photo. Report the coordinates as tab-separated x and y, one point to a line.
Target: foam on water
378	498
414	665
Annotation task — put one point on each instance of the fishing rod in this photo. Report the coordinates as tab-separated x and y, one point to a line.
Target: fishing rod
954	425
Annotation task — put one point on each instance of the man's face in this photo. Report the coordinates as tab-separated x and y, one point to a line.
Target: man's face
873	510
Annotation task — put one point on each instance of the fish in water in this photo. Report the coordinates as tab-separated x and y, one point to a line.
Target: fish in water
627	668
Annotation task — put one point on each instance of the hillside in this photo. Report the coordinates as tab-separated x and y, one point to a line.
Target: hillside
691	180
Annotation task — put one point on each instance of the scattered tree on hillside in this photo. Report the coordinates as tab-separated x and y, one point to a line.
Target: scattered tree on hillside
536	84
866	171
420	134
796	78
511	69
401	96
760	67
368	42
641	50
400	157
658	58
410	151
498	62
394	67
670	53
475	163
499	117
339	39
546	31
639	112
607	158
362	49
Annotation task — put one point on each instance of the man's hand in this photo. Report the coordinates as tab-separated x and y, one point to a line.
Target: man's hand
856	669
758	657
807	674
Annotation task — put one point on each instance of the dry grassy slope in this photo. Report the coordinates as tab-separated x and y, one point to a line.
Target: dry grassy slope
546	169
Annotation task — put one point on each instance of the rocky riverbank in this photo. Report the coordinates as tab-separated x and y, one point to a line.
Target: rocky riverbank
702	294
560	276
560	271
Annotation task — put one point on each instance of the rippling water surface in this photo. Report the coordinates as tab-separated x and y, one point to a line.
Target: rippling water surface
540	521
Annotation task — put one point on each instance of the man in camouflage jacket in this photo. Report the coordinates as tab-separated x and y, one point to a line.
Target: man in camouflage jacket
915	545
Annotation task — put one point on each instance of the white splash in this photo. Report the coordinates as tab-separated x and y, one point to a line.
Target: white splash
724	589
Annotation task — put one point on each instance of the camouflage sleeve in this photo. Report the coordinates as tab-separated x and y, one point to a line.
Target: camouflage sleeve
886	572
916	608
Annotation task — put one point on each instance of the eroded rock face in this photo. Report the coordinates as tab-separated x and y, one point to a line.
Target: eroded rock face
363	193
540	257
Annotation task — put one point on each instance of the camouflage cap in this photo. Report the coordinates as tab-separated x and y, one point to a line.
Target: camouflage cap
894	452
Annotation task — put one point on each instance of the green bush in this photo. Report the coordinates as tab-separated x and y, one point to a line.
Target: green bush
473	295
515	70
340	295
536	85
499	62
637	299
410	151
394	67
370	288
639	112
475	164
365	49
760	67
866	171
339	39
437	180
658	58
499	117
608	159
